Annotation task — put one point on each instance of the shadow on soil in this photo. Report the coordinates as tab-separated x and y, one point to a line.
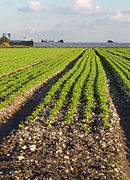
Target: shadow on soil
121	101
31	104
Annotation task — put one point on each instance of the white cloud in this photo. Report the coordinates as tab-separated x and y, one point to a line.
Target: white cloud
82	4
82	7
33	6
120	16
86	6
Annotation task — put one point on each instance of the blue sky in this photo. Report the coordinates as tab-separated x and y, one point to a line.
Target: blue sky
71	20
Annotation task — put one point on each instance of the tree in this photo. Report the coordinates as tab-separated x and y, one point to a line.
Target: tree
4	41
61	41
110	41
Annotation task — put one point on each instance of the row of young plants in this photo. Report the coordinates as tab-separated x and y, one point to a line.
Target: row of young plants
20	77
77	91
14	86
100	88
26	76
83	86
124	56
88	92
66	82
9	79
16	58
124	53
86	78
120	63
119	72
65	91
124	68
41	68
120	59
124	50
91	81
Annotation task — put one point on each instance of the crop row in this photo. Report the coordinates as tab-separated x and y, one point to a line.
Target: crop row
100	88
86	79
116	68
16	58
77	90
116	60
63	93
17	83
123	53
120	60
88	92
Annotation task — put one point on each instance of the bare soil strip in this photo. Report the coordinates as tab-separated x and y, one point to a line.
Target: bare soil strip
23	105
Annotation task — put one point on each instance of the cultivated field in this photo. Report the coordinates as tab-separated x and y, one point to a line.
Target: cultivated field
64	113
